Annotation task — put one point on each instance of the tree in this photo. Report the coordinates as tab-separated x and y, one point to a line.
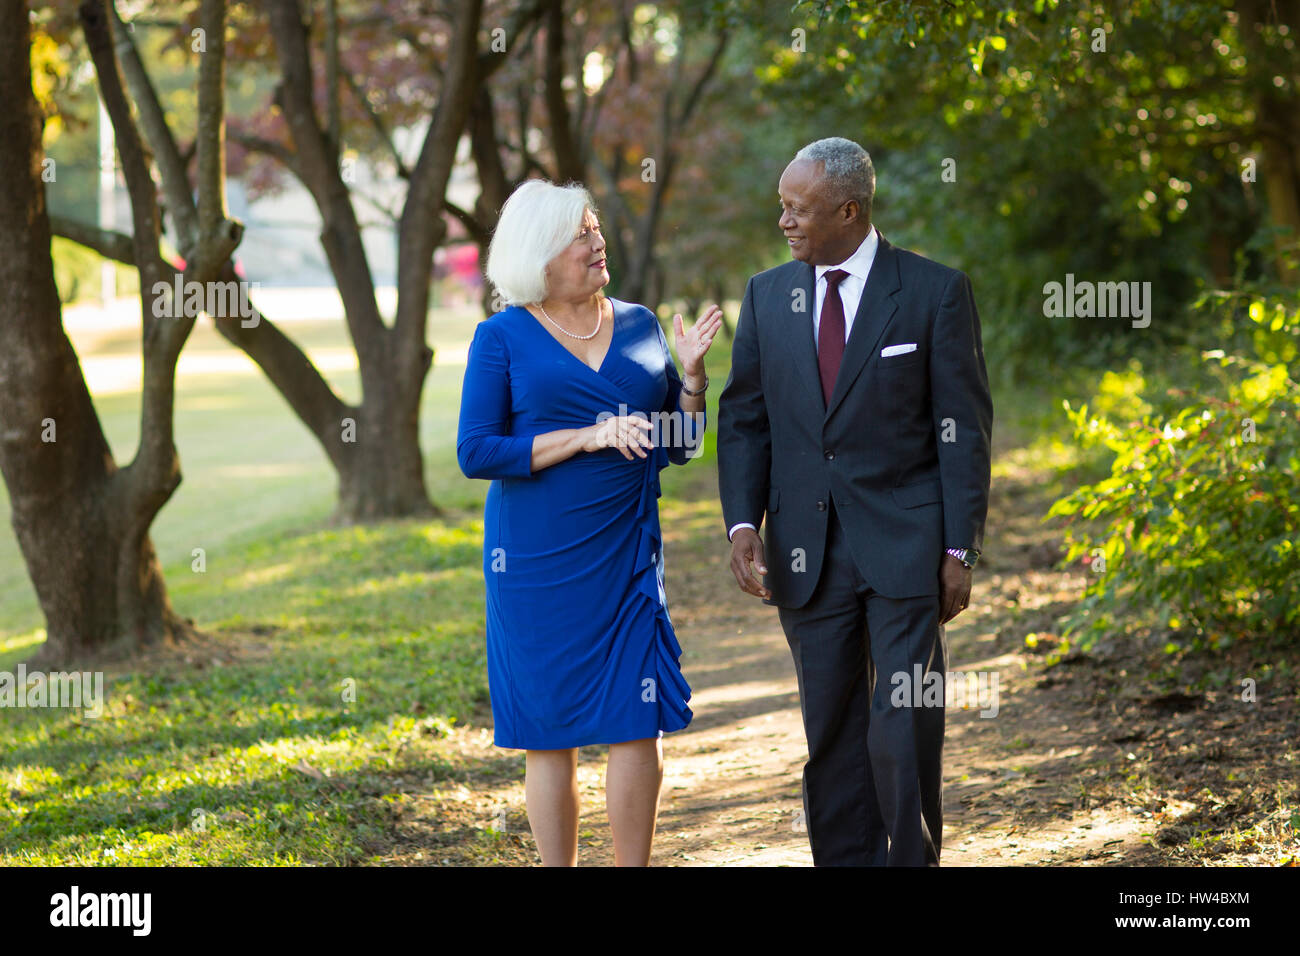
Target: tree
1117	140
620	93
373	445
82	522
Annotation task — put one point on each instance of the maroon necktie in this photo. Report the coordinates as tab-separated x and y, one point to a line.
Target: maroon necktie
830	335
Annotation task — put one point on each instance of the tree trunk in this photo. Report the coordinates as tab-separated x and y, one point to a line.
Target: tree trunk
375	446
719	296
1277	122
81	523
381	471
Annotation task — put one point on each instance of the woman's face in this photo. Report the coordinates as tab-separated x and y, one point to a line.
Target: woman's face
580	270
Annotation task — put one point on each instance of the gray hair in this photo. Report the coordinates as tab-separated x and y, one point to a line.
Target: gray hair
846	168
537	223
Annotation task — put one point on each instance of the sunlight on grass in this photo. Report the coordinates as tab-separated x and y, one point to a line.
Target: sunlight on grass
281	746
262	471
336	662
268	575
20	643
1045	454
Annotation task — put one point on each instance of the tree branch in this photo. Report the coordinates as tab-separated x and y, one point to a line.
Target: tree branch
697	91
422	227
117	246
472	226
332	71
153	122
218	234
267	147
377	122
568	163
522	18
317	168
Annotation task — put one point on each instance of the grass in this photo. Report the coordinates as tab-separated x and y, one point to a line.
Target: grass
347	655
325	707
341	655
250	469
339	659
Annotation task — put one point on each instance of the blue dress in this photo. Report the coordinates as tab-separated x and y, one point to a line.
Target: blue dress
580	646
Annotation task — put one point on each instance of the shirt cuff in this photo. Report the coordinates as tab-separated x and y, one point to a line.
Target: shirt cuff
737	526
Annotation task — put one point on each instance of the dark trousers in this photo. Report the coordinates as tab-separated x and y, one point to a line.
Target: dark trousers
872	786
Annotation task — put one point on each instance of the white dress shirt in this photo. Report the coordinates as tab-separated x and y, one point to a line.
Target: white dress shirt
858	267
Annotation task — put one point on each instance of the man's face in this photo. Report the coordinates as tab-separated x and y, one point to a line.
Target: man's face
818	231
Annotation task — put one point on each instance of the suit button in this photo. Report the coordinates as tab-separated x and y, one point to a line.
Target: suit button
821	506
830	455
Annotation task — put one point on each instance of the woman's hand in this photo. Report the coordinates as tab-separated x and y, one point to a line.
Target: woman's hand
692	344
621	432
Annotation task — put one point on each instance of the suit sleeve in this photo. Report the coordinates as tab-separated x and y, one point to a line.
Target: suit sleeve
744	438
963	414
680	432
484	446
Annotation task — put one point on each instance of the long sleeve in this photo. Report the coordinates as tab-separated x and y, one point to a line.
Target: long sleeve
682	434
744	437
960	393
484	446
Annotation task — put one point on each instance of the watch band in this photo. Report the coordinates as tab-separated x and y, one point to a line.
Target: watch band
967	556
701	391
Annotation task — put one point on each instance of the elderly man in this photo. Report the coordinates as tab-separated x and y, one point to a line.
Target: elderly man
857	417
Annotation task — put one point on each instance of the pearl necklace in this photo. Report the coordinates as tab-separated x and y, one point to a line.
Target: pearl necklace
600	317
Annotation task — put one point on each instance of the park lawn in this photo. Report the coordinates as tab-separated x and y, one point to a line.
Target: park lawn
337	661
192	760
338	664
347	656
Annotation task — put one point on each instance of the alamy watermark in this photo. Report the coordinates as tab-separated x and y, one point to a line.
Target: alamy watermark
80	689
128	910
958	689
675	429
221	300
1103	300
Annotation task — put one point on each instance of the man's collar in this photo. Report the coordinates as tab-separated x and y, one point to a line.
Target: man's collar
858	264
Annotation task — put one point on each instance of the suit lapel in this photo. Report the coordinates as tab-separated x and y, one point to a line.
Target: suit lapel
875	309
805	346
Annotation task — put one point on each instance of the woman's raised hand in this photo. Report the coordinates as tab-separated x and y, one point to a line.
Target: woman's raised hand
693	343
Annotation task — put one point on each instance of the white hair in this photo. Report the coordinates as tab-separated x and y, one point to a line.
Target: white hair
537	223
846	167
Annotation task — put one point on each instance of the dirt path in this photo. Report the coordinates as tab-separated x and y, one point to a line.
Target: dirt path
1013	781
1072	769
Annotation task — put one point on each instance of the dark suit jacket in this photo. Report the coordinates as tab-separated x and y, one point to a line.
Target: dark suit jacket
903	447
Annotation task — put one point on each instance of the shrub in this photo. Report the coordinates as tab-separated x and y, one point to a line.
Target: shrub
1196	528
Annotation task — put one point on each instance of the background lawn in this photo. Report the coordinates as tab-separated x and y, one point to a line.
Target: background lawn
339	659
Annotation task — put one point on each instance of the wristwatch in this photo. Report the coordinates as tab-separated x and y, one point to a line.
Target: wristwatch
967	556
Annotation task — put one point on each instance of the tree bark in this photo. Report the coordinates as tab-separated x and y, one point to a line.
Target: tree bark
375	445
81	523
1277	123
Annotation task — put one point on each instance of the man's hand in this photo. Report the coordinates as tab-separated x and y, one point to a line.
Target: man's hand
747	550
954	586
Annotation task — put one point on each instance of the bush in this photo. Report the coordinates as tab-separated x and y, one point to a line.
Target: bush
1195	530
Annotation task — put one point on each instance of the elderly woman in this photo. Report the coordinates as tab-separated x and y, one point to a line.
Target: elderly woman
564	406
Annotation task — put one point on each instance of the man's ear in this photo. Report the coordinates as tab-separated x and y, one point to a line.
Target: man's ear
851	211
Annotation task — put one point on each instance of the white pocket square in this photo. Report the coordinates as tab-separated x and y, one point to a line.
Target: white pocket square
897	349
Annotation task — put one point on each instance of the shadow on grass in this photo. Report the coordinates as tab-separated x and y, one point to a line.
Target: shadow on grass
375	638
